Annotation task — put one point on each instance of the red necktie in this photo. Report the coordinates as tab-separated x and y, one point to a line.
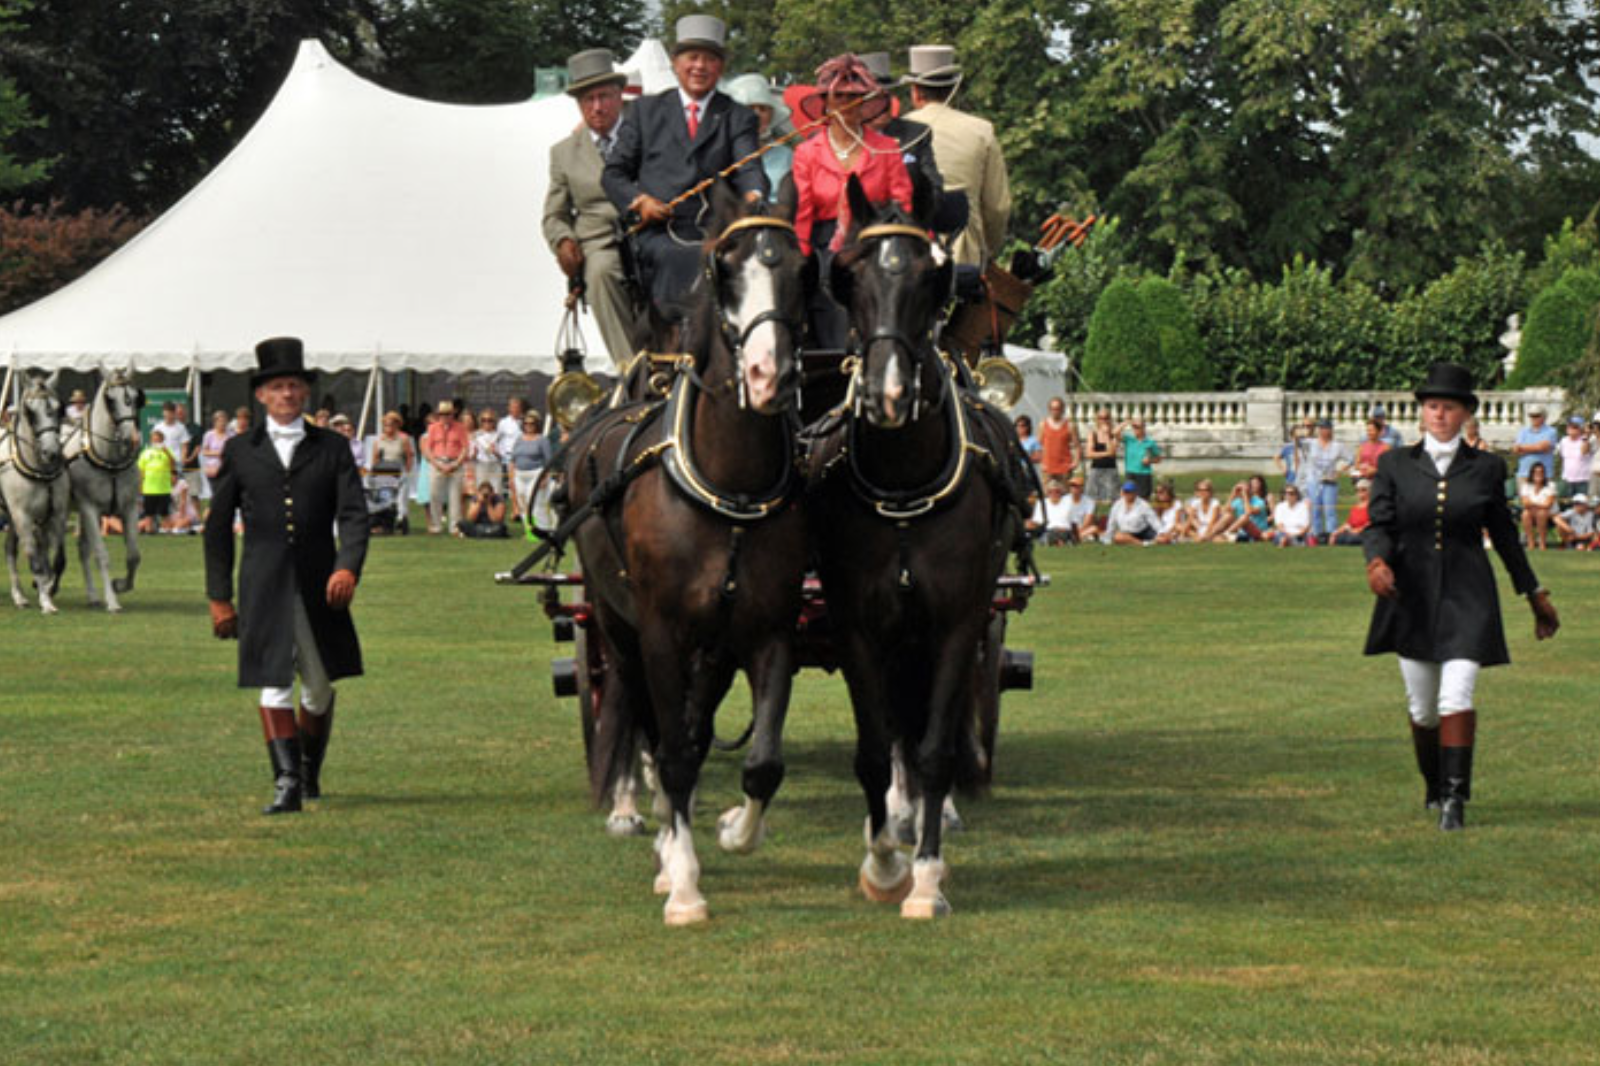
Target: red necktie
694	119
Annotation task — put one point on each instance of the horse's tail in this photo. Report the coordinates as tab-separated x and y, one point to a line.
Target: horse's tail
614	747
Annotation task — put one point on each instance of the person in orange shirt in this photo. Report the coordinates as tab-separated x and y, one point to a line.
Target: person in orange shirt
1058	443
446	448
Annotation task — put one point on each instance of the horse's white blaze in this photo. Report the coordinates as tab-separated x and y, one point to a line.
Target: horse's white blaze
742	829
894	385
761	346
685	905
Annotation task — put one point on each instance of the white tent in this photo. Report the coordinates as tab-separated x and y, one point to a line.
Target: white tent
384	230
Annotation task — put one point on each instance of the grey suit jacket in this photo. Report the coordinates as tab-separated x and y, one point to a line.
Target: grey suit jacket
655	155
576	205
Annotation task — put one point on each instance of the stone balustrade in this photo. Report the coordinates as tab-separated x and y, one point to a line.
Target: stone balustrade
1244	430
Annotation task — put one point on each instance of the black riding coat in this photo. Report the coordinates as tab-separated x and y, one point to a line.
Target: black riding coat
1430	531
289	549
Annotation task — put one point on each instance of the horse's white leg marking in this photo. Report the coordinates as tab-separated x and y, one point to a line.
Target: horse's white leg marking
742	829
625	819
925	900
952	817
761	347
685	905
885	873
902	813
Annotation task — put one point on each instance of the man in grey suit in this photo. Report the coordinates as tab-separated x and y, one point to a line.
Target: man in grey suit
670	143
580	223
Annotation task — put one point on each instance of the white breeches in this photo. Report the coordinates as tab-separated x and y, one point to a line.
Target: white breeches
1434	689
316	691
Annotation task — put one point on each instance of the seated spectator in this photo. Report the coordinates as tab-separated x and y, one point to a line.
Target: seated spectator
1250	510
1576	525
182	517
156	470
1349	533
1208	519
1538	500
1059	518
486	515
1292	517
1174	524
1131	520
1082	510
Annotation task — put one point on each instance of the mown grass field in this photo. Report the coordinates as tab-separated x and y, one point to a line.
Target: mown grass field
1206	846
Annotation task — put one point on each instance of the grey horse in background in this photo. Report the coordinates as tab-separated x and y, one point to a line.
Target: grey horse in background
102	454
33	485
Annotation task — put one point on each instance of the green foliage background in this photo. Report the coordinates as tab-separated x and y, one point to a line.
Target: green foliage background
1561	324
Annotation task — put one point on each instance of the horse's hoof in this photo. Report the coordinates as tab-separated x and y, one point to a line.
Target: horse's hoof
905	829
625	825
895	893
925	909
113	608
690	911
48	608
119	586
663	883
952	822
96	603
732	836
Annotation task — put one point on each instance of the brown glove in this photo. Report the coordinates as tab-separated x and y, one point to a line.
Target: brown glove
224	620
650	209
569	257
1545	619
341	589
1380	579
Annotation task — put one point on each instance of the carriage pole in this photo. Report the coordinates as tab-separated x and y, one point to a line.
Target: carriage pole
366	400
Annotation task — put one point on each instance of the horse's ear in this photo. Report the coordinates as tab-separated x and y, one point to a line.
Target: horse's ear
788	199
725	208
924	200
841	278
50	382
861	211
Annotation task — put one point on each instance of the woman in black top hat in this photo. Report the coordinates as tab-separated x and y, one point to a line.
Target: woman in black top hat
1437	606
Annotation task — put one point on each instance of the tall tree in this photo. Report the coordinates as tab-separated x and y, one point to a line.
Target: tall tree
14	114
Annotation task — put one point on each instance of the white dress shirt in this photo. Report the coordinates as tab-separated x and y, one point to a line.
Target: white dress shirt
1441	452
284	438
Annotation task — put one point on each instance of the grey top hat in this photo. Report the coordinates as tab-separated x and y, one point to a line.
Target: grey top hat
933	65
595	67
701	31
878	63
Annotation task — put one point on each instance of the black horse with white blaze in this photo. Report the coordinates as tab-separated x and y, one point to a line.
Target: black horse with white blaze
913	512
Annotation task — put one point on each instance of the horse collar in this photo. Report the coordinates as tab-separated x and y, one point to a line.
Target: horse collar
902	504
678	458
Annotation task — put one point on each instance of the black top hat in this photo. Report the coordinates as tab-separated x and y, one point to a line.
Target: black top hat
279	357
1449	381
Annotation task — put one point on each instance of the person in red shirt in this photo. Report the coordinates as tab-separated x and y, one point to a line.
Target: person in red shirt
823	165
1359	520
445	446
1058	443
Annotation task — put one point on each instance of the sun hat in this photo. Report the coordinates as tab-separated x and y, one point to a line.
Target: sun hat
591	68
753	90
701	31
1581	498
844	74
1575	420
1536	409
445	408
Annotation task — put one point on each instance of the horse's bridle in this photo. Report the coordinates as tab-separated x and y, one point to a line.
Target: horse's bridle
767	256
117	422
33	471
887	333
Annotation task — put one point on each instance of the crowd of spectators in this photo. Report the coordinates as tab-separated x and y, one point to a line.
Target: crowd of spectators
1102	487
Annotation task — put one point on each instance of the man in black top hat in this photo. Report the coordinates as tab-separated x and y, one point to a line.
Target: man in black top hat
671	142
291	482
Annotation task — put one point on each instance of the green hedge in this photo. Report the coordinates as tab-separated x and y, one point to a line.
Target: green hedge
1560	325
1142	338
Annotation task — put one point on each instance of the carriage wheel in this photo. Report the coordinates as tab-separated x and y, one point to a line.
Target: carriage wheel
590	662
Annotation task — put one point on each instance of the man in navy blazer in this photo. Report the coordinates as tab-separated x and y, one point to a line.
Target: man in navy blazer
671	142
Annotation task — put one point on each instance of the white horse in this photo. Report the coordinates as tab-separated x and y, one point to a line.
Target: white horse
33	485
102	453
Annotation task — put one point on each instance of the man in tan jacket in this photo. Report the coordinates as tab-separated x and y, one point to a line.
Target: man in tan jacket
967	152
580	223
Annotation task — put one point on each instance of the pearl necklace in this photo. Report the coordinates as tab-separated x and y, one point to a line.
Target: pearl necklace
841	154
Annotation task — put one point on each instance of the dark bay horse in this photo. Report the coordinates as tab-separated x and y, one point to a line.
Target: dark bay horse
102	453
695	553
912	525
33	488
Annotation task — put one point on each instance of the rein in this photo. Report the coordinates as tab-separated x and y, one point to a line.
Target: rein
116	440
33	471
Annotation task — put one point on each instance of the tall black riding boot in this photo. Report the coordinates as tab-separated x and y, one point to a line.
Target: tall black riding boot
283	748
1456	736
315	729
1426	743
